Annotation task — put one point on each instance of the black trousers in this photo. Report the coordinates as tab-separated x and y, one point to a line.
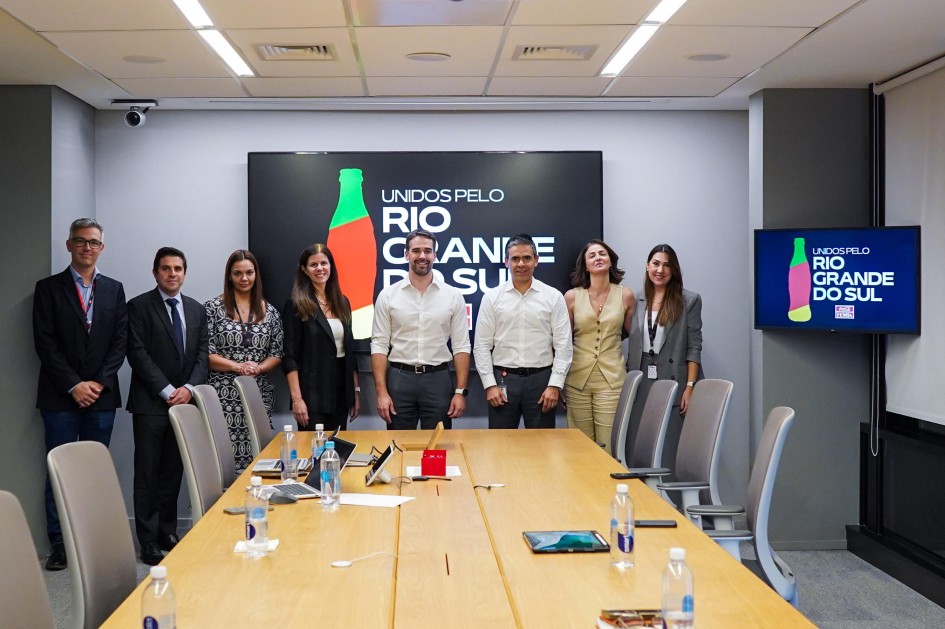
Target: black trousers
523	394
419	397
158	473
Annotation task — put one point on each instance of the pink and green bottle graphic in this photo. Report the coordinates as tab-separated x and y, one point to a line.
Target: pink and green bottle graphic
352	243
799	284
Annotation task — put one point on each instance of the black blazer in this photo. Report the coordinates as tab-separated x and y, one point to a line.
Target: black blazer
68	354
309	348
153	355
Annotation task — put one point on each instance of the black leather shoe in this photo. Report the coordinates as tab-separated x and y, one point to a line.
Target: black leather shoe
168	542
57	557
151	554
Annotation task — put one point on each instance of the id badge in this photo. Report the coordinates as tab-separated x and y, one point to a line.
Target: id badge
651	372
504	392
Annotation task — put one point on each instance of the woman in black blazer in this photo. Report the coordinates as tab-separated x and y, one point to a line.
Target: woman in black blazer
319	359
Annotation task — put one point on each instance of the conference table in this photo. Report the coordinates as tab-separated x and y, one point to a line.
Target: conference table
454	556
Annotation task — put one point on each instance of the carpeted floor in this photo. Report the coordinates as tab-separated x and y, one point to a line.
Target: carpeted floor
837	591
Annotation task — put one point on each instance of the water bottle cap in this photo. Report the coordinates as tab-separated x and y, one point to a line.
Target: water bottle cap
319	426
677	554
330	445
158	572
622	488
287	428
255	481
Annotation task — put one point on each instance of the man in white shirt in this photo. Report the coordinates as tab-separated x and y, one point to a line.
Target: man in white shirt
523	343
413	321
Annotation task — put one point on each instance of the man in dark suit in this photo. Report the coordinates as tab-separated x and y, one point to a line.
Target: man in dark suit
80	332
167	351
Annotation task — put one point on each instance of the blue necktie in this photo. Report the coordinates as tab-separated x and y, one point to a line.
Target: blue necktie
178	328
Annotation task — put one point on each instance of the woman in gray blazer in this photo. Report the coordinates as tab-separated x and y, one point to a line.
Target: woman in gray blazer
665	340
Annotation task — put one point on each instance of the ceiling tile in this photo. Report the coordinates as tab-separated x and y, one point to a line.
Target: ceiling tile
430	12
607	38
182	88
305	88
346	65
656	86
96	15
279	14
426	85
582	86
811	13
566	12
748	48
472	50
185	53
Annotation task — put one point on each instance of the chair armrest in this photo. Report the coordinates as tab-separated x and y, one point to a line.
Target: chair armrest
644	472
683	485
741	536
715	510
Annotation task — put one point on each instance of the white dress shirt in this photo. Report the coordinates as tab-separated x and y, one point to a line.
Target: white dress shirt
415	326
516	330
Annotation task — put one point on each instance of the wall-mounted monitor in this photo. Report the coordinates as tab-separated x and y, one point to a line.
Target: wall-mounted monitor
844	280
363	204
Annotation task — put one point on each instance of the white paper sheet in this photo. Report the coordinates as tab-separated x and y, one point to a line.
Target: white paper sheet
373	500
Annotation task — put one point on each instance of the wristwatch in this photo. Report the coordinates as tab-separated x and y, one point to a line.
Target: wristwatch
463	392
690	384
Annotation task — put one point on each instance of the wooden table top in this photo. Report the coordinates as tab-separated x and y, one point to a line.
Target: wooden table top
460	557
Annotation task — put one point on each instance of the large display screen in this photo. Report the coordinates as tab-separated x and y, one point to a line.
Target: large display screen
363	204
847	280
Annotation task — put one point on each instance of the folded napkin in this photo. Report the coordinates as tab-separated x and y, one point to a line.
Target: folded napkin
241	546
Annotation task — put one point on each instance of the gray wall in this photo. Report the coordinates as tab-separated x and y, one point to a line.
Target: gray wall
810	168
678	177
45	160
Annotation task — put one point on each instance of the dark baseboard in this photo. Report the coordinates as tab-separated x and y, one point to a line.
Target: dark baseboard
923	574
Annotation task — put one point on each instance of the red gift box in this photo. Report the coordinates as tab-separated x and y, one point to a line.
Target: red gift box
433	463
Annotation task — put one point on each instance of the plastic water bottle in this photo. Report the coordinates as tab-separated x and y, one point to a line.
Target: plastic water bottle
330	478
677	591
257	519
289	455
621	529
318	443
158	609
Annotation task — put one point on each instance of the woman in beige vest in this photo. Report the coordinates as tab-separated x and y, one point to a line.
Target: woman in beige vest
601	312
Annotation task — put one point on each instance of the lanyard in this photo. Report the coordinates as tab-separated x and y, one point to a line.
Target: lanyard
86	307
652	326
245	325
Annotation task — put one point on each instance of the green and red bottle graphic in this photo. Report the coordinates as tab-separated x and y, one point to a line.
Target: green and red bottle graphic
799	284
351	240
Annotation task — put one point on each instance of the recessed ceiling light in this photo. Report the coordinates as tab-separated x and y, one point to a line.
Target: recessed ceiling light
143	59
712	56
427	56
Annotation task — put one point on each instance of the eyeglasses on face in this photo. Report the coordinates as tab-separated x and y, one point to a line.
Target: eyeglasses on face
81	242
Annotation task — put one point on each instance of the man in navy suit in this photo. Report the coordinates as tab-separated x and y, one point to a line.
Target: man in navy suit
167	351
80	332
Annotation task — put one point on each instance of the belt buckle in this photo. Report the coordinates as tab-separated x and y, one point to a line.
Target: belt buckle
419	369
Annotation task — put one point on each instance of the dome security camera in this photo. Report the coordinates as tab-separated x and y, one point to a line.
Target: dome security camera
135	117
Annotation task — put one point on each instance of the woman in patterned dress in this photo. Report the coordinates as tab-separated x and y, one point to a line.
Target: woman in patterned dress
245	340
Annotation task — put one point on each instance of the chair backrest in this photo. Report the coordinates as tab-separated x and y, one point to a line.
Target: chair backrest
22	589
254	410
95	529
618	434
648	447
209	404
199	456
760	490
697	456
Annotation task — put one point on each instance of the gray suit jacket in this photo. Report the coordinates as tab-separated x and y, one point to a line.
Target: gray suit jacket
682	342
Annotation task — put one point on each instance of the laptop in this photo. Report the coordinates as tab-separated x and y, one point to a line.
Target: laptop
311	486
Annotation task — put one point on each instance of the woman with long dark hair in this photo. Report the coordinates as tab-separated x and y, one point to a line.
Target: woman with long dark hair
601	313
319	361
666	339
245	340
